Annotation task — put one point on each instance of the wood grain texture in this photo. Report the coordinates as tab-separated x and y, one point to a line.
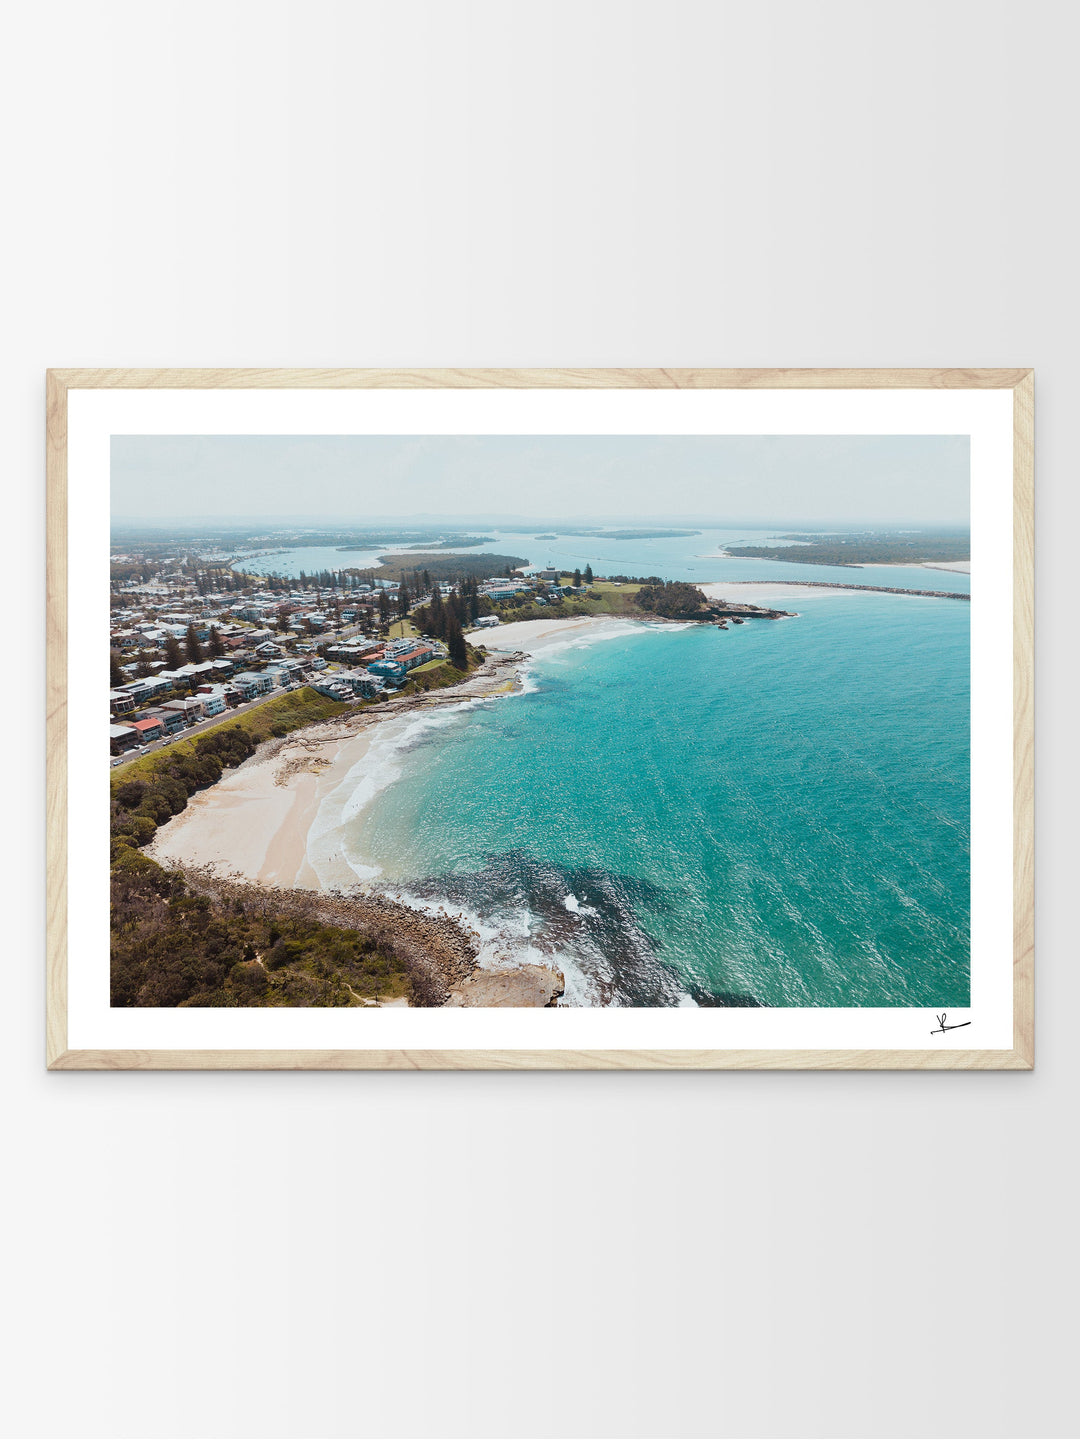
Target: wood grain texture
540	1060
56	610
568	379
1024	719
1020	1057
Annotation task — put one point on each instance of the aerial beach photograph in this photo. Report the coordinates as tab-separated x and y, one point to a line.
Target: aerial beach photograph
540	721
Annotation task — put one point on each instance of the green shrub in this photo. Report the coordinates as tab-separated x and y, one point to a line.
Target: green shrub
131	862
144	828
130	793
156	807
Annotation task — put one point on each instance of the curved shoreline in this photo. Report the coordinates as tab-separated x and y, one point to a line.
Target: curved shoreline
246	838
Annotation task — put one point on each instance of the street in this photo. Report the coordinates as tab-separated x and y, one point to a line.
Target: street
193	730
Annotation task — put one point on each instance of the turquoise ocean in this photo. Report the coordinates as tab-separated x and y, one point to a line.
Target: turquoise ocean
776	814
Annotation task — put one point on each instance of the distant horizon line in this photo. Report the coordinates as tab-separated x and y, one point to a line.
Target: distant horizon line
522	522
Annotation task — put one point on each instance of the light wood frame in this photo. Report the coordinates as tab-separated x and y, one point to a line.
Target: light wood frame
1019	1057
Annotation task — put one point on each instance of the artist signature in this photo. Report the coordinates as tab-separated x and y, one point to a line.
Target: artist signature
943	1027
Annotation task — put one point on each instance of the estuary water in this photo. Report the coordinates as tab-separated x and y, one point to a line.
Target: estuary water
697	558
777	814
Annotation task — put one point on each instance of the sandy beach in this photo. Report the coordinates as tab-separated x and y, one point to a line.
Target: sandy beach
960	567
256	821
753	592
264	823
527	636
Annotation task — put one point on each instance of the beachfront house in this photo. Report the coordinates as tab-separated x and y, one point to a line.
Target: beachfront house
487	622
171	720
213	699
190	708
121	738
392	670
410	653
333	688
420	654
121	702
360	682
148	730
251	684
283	672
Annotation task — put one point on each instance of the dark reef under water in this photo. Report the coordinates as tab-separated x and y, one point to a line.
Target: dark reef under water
602	926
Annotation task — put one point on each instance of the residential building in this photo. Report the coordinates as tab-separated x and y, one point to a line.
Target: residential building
419	653
147	730
213	699
121	738
332	687
171	720
359	682
283	672
251	684
389	669
190	708
349	651
145	688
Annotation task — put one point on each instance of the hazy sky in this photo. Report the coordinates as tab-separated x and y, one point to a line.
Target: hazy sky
841	479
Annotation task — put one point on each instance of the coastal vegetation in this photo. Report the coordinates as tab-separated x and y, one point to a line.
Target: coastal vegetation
448	569
862	549
172	946
674	600
441	674
189	940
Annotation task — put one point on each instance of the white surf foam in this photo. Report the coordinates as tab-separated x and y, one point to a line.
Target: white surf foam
510	938
575	907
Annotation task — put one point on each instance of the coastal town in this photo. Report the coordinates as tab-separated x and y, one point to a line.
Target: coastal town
190	643
192	638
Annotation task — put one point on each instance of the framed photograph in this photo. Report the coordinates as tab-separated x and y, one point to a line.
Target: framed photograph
514	719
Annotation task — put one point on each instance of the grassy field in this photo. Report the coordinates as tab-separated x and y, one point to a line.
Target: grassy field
292	710
600	599
615	599
438	674
403	630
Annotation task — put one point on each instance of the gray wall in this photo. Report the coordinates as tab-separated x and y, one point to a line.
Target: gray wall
543	183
